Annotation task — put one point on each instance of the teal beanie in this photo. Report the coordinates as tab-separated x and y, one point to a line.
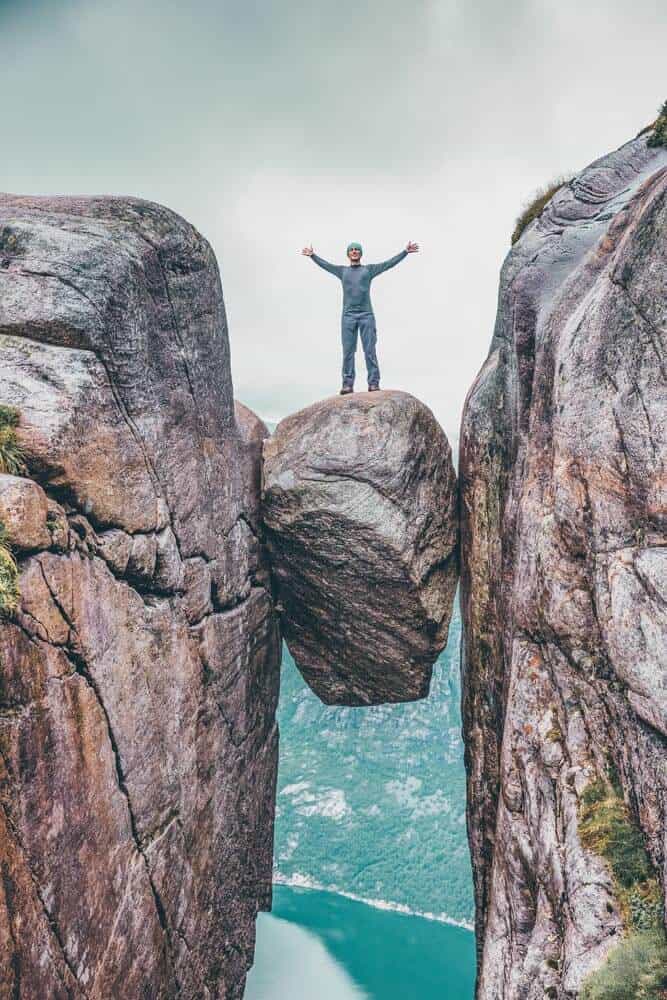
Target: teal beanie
354	246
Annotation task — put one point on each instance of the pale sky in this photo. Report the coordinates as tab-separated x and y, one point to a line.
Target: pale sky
271	125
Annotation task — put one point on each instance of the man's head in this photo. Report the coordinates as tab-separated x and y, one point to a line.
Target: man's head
354	252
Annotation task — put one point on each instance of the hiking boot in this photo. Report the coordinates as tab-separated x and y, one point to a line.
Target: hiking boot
374	388
345	390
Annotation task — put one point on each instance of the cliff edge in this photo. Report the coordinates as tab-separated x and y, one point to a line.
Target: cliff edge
564	591
139	673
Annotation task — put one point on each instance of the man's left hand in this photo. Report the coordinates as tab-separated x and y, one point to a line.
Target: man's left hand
412	247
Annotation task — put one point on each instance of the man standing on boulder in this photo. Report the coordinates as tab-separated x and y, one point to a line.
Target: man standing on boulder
358	315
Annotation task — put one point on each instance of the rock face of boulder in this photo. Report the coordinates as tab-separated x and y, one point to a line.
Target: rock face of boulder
24	511
139	676
564	579
360	516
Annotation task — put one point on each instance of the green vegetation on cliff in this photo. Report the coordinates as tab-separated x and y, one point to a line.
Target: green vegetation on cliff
635	969
11	455
11	462
658	135
9	593
638	966
537	205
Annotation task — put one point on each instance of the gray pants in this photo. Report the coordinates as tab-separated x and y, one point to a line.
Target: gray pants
364	323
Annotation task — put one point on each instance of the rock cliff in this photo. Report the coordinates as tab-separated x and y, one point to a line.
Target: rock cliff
360	515
564	592
139	675
139	669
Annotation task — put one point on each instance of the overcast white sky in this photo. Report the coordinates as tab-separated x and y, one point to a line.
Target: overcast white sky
270	125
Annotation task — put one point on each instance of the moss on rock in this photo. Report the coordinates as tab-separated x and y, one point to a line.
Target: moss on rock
635	969
658	135
605	827
11	453
638	966
11	463
537	205
9	591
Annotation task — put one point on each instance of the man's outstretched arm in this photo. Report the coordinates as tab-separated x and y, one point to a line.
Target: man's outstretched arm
393	261
336	269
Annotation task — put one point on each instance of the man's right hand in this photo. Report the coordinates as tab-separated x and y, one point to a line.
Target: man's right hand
308	251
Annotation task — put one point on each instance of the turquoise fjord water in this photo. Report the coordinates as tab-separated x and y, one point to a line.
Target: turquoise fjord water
321	945
370	802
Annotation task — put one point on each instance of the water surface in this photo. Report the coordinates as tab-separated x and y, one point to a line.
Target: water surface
371	801
321	945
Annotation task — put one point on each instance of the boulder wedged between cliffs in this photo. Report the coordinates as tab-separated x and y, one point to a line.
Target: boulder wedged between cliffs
360	515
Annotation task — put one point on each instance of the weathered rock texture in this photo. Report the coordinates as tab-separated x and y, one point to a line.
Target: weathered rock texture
564	572
360	514
138	680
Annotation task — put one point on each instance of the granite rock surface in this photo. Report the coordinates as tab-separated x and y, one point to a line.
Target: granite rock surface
139	677
564	574
361	524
